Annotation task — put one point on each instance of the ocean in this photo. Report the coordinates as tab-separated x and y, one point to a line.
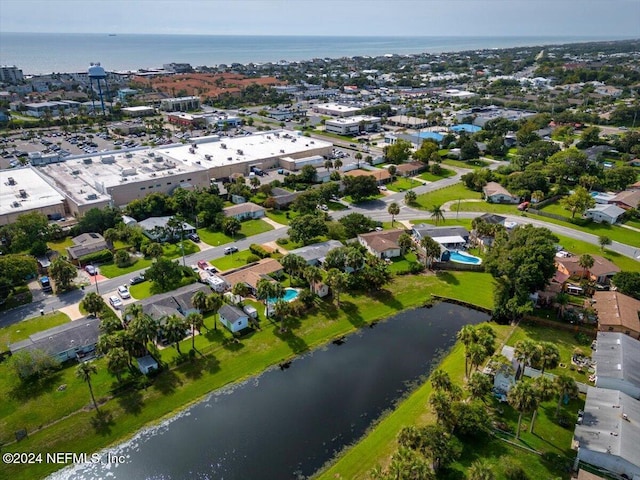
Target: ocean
41	53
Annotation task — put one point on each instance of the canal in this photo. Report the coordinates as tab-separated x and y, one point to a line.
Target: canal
287	423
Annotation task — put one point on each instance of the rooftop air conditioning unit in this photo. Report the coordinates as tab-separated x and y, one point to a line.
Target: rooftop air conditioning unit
240	152
223	145
75	172
230	158
87	161
23	193
11	181
151	154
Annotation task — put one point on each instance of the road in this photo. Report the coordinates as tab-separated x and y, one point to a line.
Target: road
376	209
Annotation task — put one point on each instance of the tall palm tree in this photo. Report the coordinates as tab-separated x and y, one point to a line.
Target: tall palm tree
440	380
525	352
522	397
394	209
561	300
432	250
545	390
466	335
337	163
174	329
337	281
265	291
281	311
405	242
313	275
214	302
241	289
117	362
437	213
84	372
565	385
199	301
293	264
196	321
549	356
586	261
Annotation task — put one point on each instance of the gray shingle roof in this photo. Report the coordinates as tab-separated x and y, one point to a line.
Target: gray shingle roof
231	313
79	333
317	250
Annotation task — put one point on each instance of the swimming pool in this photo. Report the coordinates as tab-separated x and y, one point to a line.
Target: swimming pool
460	257
290	294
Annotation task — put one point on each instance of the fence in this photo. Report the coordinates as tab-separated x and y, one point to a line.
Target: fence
464	267
547	214
592	332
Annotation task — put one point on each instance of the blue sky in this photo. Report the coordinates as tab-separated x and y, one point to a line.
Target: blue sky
606	18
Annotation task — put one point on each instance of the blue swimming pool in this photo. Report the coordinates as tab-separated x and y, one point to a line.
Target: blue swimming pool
460	257
290	294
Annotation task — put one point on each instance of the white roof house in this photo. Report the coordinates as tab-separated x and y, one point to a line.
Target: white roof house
617	358
609	433
604	213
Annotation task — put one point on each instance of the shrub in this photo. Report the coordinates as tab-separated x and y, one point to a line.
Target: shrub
282	241
33	364
252	258
416	267
102	256
258	250
297	308
514	471
122	258
435	169
307	297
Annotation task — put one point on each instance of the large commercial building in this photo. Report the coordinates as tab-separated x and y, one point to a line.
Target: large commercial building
11	74
336	110
23	190
352	125
117	178
180	104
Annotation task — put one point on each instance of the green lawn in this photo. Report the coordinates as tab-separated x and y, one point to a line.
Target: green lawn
447	194
22	330
348	198
579	247
249	228
282	217
61	245
486	207
110	270
403	264
430	177
233	260
402	184
336	206
477	163
141	290
224	363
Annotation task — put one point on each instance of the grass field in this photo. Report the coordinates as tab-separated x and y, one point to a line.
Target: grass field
249	228
486	207
402	184
223	363
282	217
430	177
477	163
579	247
171	251
22	330
141	290
61	245
234	260
447	194
403	264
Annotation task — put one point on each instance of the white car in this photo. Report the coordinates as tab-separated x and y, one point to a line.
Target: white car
115	302
123	291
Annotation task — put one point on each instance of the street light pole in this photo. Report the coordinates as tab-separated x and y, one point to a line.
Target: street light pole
95	277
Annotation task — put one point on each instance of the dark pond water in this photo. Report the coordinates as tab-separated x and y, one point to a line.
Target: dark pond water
285	424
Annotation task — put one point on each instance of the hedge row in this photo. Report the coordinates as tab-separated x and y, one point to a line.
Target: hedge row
103	256
259	251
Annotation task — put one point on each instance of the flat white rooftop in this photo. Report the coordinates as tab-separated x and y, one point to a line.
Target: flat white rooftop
22	189
66	177
337	107
251	148
354	120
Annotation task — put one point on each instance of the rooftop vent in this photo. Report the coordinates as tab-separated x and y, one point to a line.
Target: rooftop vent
15	204
151	154
109	159
23	193
87	161
75	172
91	196
223	145
11	181
240	152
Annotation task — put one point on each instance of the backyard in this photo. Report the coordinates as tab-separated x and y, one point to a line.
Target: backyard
402	184
430	177
248	229
447	194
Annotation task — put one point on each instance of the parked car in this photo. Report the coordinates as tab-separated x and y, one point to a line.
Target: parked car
230	250
203	264
115	302
194	237
136	280
123	291
91	270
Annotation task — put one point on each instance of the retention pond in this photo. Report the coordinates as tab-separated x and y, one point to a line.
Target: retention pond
287	423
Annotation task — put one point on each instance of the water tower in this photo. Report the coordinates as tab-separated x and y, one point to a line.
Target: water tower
97	74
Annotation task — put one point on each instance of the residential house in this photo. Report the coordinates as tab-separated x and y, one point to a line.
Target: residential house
71	340
314	254
601	271
410	169
449	237
604	213
617	359
608	432
86	244
627	199
381	175
617	313
267	268
156	228
233	318
382	244
245	211
283	198
496	193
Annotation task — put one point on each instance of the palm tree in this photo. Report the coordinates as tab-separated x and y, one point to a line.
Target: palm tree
522	397
337	163
154	250
479	386
480	470
586	261
410	197
143	329
328	164
394	209
281	311
255	183
336	280
432	250
93	303
358	157
440	380
117	361
561	300
549	356
199	301
293	264
313	275
264	291
466	335
437	213
214	303
565	385
477	355
196	321
84	372
174	329
405	242
525	352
